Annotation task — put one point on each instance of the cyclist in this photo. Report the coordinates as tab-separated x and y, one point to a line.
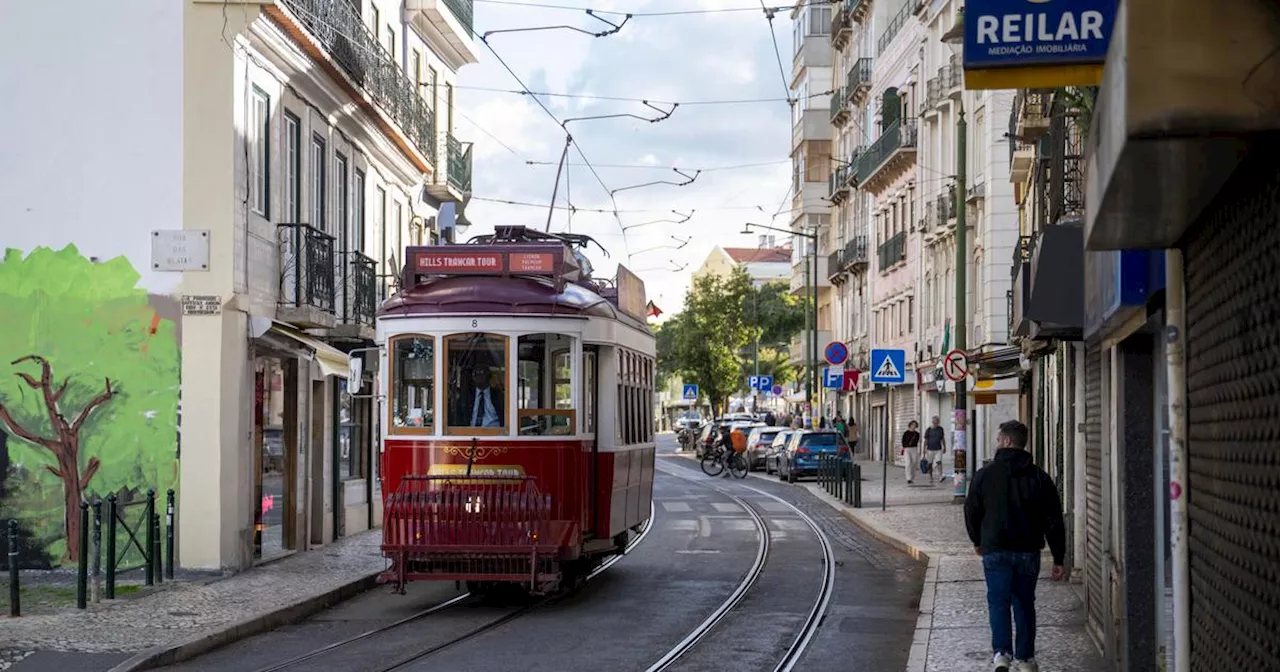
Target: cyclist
727	447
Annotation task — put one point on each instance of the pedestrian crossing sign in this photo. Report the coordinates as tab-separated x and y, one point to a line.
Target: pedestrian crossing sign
888	366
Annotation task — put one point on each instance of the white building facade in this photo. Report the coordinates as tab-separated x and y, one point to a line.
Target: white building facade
298	147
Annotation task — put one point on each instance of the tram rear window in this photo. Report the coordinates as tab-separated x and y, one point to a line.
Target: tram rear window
476	376
413	370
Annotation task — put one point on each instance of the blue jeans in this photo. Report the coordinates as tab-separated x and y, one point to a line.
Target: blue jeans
1011	586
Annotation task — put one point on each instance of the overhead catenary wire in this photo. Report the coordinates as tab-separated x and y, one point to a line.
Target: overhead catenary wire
777	52
649	166
611	211
631	99
672	12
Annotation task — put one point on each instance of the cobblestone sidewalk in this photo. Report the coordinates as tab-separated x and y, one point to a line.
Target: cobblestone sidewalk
952	633
183	613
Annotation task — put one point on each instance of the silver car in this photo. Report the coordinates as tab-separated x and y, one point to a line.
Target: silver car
759	441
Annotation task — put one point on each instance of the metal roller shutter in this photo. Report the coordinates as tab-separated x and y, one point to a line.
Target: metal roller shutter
904	409
1095	590
1232	266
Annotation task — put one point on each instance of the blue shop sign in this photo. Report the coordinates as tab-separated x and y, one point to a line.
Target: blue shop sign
1014	33
1117	284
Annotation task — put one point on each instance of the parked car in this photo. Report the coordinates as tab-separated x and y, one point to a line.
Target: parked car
758	443
776	450
690	420
801	456
708	437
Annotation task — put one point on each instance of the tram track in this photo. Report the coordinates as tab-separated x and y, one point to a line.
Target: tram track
406	660
813	619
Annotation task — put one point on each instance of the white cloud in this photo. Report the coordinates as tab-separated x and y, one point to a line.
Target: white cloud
686	58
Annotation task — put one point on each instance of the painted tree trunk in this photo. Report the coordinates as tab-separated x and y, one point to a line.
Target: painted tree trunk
73	493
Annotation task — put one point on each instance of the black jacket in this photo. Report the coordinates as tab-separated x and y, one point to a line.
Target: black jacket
1013	506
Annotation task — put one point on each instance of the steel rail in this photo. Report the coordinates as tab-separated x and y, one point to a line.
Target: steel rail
507	618
757	567
453	601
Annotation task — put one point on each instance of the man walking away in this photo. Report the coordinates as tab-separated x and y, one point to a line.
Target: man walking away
935	443
1011	510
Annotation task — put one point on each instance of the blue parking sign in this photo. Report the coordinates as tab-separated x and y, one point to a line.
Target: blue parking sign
764	383
833	377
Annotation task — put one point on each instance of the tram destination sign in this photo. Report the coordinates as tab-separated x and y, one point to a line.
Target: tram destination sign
534	259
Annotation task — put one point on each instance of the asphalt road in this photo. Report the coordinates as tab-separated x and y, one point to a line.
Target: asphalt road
702	544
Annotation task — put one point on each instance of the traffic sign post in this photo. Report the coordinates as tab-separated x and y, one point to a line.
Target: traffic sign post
955	366
690	392
888	367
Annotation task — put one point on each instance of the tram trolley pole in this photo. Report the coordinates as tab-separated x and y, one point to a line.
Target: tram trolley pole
15	592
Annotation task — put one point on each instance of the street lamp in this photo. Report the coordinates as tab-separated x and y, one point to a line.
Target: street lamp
954	39
811	330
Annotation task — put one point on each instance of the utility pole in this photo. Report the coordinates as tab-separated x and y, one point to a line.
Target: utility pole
813	353
960	442
810	334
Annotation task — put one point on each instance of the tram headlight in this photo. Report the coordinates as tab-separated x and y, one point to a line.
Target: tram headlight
473	505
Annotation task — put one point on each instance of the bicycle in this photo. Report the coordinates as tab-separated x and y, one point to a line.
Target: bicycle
714	464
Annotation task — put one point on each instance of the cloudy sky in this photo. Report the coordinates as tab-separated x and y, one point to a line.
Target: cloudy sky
713	56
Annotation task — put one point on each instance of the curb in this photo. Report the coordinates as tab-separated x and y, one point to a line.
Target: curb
169	654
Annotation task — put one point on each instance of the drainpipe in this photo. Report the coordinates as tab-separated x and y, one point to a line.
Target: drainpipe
1175	336
1078	476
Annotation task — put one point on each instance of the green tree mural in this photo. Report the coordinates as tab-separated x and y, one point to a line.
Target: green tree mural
89	377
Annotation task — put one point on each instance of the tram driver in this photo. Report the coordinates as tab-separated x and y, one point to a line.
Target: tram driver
485	403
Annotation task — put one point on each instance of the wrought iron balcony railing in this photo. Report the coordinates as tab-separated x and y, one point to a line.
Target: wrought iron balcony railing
951	75
464	11
929	221
306	267
858	79
838	109
893	250
895	27
339	29
359	289
459	160
855	251
899	134
947	205
932	93
835	263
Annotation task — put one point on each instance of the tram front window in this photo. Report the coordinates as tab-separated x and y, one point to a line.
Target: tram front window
413	375
477	383
545	385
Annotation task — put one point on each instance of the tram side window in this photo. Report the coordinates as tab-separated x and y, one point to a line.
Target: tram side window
413	374
476	375
544	385
589	389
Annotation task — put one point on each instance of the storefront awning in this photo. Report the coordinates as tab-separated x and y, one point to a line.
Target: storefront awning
332	361
1001	362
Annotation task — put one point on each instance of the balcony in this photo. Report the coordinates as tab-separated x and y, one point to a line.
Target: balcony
839	110
841	26
797	348
1031	115
929	221
891	154
977	191
307	272
857	9
855	253
835	266
357	297
896	25
951	77
932	96
800	284
447	25
338	29
1020	160
857	81
892	251
838	184
457	171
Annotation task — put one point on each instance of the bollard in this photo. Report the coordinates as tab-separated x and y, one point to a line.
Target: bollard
112	512
837	479
82	562
857	486
15	594
156	549
168	534
96	585
149	540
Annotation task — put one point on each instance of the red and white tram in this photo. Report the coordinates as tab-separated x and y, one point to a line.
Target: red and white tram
518	426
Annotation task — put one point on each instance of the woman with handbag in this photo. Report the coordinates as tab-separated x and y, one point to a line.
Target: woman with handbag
911	449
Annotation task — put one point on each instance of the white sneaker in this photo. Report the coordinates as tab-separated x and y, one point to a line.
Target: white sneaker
1001	662
1027	666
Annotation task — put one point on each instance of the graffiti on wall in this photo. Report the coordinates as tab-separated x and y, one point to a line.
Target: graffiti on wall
89	381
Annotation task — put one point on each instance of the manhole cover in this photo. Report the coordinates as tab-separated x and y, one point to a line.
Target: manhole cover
182	613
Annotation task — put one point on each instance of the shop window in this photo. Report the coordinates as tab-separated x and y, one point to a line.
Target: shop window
477	380
544	389
413	389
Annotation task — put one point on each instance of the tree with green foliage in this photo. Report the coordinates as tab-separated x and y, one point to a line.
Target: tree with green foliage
90	387
711	332
776	316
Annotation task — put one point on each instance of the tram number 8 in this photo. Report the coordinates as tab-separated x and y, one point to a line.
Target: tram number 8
475	323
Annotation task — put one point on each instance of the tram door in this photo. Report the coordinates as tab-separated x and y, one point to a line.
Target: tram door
590	408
